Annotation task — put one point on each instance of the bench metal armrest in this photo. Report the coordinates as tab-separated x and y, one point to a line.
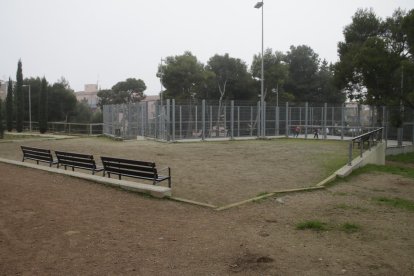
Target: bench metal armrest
164	169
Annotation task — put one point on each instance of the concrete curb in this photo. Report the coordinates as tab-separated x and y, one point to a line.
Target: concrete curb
155	191
222	208
193	202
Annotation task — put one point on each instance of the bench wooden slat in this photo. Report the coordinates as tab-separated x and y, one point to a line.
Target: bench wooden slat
127	161
38	154
38	150
77	160
129	167
139	174
34	156
133	168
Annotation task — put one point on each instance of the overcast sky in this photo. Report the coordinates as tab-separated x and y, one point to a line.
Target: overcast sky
106	41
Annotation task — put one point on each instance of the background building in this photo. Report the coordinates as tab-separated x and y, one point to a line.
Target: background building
90	95
3	89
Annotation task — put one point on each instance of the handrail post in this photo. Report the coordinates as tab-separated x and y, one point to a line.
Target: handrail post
350	153
369	143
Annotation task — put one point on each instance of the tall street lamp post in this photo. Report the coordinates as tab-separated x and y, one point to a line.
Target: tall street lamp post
30	107
262	109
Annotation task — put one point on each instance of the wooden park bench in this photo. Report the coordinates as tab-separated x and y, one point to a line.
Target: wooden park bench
37	154
77	160
136	169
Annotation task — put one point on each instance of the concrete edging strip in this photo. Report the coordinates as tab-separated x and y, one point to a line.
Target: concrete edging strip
155	191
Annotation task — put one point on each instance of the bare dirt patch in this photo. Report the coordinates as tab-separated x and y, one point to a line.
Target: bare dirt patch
56	225
217	173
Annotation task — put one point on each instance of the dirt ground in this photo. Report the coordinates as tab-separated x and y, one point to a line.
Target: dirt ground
216	173
57	225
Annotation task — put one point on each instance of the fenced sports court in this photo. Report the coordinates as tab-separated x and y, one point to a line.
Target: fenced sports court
172	121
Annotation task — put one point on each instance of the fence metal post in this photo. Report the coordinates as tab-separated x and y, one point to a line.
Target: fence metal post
142	118
211	121
181	122
258	123
168	121
224	120
264	119
203	118
159	117
238	121
412	133
173	120
287	119
385	120
277	120
325	111
342	121
359	118
232	120
251	121
196	119
306	119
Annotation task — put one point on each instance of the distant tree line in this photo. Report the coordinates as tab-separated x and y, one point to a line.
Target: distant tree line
376	67
48	103
298	75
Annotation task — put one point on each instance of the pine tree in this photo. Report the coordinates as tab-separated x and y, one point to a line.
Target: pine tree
19	97
43	107
9	106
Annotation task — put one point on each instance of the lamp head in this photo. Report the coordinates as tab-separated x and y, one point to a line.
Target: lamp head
258	5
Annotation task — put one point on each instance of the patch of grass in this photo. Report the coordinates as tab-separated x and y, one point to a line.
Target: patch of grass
403	158
350	227
396	202
406	172
315	225
261	194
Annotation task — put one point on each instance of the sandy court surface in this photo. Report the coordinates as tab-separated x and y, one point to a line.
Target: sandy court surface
57	225
217	173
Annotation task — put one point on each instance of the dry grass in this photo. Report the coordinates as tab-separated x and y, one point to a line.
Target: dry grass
217	173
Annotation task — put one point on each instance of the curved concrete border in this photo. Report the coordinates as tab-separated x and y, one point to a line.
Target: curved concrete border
155	191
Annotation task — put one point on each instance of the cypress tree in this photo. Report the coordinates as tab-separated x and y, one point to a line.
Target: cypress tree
43	107
9	106
19	97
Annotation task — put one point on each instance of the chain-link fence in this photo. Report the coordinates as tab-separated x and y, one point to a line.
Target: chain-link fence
66	128
173	121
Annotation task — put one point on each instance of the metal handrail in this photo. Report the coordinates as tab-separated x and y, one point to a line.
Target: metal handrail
369	137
